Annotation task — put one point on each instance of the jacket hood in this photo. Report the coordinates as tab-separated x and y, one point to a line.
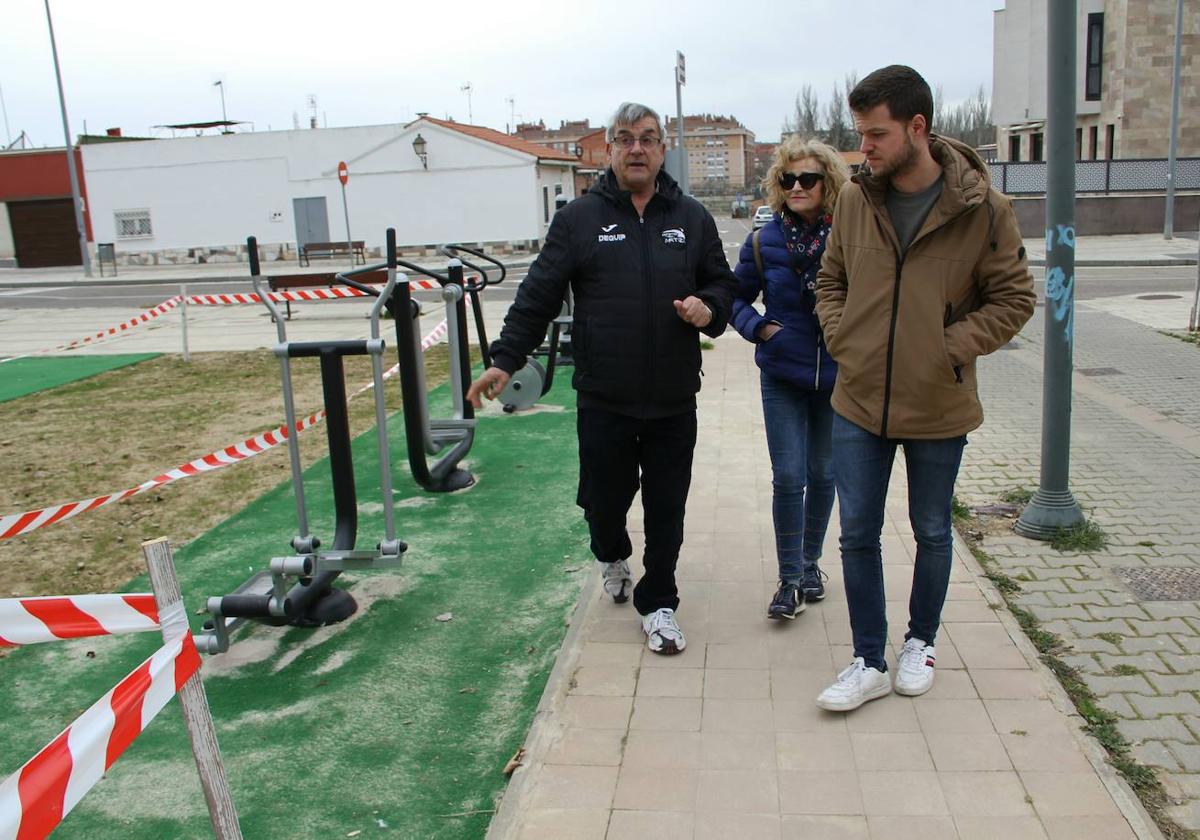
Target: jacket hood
607	186
966	178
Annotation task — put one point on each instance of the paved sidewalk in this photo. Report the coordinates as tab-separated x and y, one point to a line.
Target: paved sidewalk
725	740
1135	470
1128	249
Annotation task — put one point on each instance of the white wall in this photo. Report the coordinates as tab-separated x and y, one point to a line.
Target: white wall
549	176
217	190
1019	60
8	248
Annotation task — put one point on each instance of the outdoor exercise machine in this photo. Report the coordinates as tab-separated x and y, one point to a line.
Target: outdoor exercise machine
450	438
298	588
535	379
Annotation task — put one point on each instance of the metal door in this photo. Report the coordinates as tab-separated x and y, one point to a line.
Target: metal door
44	232
312	222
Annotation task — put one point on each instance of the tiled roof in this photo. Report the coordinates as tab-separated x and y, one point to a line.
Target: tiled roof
502	139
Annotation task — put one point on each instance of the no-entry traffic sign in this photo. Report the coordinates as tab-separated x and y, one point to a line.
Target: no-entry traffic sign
343	172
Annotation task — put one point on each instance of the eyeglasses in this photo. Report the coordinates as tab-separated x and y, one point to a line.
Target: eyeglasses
806	180
647	141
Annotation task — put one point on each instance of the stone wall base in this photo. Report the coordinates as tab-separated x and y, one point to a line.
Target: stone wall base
269	252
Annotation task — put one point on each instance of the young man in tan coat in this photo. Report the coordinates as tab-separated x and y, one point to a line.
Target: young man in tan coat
923	272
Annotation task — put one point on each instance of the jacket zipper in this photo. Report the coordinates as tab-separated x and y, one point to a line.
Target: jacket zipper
891	349
648	277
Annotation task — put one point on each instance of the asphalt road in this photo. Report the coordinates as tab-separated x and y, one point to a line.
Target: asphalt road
1091	283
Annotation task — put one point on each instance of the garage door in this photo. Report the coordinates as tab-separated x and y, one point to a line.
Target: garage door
44	232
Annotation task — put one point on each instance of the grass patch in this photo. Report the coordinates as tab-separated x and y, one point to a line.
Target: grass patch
1086	537
958	511
1017	496
122	427
1125	671
1147	544
706	345
1192	338
1099	722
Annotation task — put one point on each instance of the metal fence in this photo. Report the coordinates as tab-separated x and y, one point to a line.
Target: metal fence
1099	176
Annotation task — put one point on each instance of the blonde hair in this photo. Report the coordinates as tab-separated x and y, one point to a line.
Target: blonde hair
837	173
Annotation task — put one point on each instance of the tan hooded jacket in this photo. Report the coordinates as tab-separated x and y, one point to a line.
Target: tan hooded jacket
905	331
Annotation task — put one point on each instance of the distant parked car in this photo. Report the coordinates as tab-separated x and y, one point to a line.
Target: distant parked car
762	215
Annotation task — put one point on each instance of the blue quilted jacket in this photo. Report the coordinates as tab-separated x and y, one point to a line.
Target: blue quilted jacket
797	352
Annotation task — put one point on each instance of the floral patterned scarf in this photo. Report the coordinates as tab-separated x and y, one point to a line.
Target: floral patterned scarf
806	243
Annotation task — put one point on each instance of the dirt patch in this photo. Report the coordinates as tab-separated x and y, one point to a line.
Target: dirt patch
120	428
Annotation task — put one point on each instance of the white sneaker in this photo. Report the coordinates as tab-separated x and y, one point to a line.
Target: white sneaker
914	669
662	633
855	686
618	580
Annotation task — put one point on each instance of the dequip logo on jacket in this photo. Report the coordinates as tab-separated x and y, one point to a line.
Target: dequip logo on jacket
607	234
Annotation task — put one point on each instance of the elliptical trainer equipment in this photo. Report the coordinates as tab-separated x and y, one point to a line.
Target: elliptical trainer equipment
298	588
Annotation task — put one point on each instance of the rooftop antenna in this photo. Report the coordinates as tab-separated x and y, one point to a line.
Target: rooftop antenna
467	90
311	101
512	111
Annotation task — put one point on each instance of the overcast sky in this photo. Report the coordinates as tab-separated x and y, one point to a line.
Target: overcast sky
140	63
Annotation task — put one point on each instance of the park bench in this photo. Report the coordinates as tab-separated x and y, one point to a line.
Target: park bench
287	282
333	249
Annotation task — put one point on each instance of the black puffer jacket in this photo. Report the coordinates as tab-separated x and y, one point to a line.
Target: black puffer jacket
633	353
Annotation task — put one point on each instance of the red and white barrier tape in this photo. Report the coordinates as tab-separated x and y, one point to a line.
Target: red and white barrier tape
295	295
149	315
26	621
36	798
15	524
215	300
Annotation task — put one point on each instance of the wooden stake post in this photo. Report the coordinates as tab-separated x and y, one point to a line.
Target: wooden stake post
192	699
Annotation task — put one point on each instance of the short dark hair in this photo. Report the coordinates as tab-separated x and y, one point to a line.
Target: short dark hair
901	88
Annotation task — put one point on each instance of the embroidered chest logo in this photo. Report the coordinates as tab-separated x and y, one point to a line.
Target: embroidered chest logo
674	236
607	234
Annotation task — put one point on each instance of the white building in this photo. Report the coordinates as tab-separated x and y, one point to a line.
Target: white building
197	199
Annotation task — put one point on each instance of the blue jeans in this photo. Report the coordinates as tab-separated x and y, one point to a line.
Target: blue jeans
863	464
798	425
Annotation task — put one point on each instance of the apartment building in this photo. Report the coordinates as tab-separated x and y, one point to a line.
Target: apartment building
1125	65
719	149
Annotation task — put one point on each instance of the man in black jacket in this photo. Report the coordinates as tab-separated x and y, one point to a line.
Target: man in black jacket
647	272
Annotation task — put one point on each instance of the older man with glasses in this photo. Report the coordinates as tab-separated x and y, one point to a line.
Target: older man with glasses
648	274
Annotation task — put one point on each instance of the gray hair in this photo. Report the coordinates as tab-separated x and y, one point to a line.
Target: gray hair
628	115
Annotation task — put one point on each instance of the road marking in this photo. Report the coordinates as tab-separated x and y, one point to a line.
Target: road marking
33	291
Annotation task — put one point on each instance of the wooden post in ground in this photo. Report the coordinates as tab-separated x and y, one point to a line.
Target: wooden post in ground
192	700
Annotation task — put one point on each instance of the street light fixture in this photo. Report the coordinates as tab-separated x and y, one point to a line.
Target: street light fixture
419	148
76	196
224	118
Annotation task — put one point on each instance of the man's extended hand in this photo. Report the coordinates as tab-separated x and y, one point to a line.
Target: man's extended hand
694	311
489	384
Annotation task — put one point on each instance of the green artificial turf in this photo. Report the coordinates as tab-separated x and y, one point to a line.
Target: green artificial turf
25	376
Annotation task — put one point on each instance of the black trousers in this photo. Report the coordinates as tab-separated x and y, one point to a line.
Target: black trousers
617	454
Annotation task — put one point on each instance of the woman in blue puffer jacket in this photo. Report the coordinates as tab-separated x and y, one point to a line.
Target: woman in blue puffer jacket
797	372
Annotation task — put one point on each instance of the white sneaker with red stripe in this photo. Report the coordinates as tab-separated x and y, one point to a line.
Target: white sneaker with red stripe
914	670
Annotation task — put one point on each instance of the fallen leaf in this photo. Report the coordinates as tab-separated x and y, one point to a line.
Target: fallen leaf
444	617
514	762
470	689
355	833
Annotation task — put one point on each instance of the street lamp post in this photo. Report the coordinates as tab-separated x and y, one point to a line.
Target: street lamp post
71	170
221	85
680	80
1053	507
1172	143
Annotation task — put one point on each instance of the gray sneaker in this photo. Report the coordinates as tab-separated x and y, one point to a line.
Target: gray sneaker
618	581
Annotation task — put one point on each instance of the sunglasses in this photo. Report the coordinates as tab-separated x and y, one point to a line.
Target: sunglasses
806	180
